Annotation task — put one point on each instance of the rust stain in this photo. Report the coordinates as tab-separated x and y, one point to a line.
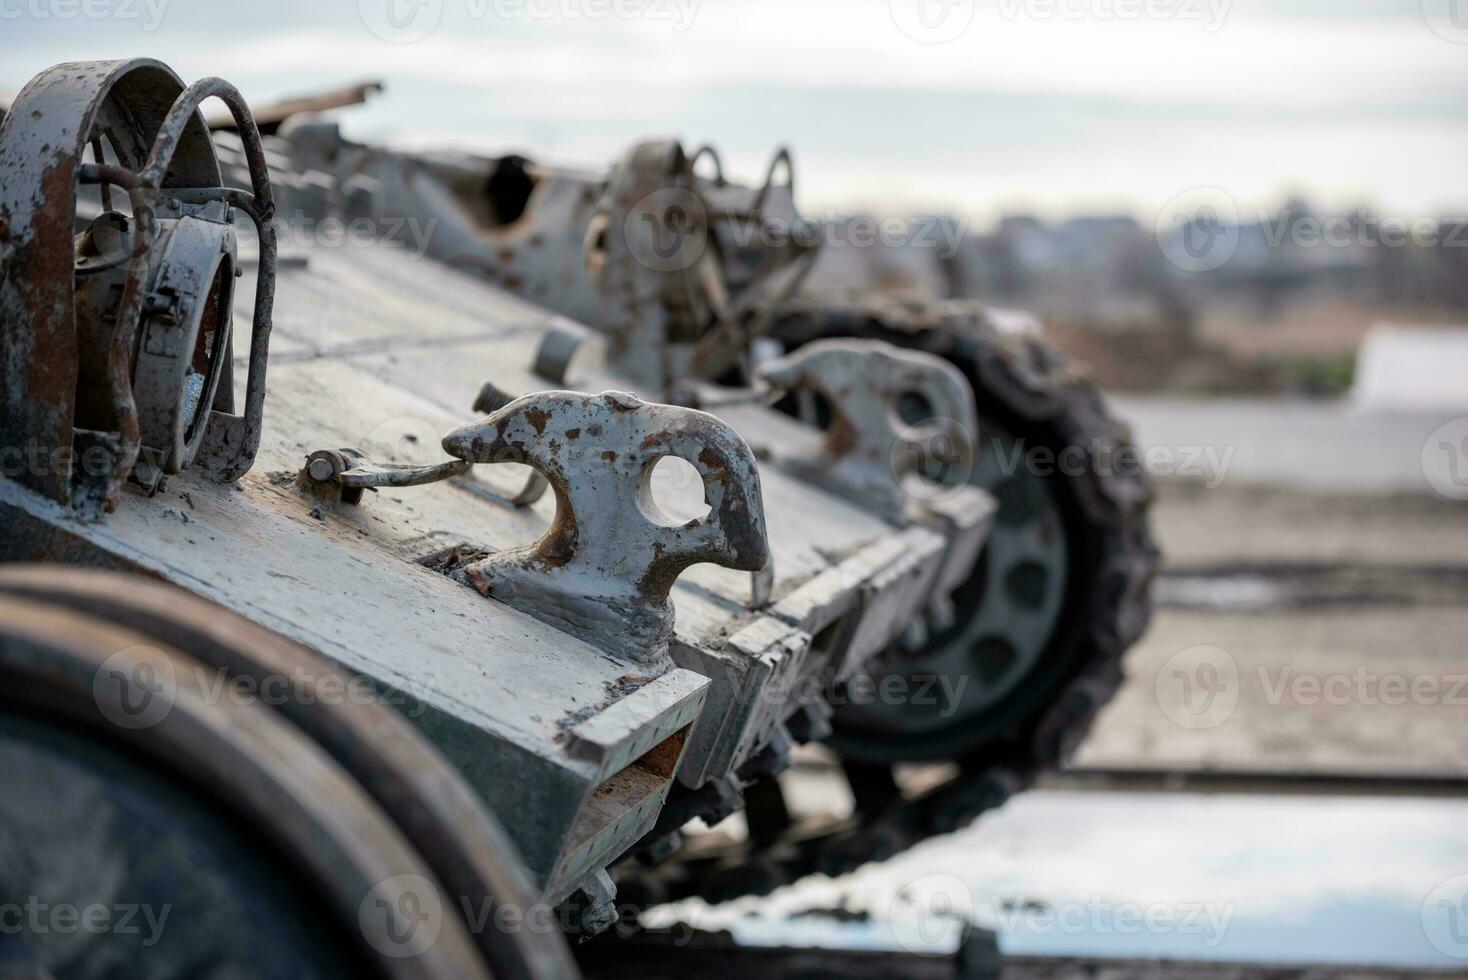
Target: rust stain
717	467
538	417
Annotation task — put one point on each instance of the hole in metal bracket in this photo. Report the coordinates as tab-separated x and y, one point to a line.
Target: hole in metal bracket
677	493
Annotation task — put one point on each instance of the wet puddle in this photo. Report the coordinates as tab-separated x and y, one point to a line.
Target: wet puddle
1226	877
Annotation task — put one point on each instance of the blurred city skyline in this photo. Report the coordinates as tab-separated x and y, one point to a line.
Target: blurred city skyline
970	107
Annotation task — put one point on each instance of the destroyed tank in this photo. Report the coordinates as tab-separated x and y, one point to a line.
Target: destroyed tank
692	279
513	652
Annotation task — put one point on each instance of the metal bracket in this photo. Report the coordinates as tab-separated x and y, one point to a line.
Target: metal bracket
604	569
122	341
870	452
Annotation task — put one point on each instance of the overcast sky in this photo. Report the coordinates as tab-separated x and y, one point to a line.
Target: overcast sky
970	106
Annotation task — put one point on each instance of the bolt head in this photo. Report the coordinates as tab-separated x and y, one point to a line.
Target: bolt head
320	469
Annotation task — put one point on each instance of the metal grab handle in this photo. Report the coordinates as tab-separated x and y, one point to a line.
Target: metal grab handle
348	472
229	459
864	382
605	567
144	188
782	156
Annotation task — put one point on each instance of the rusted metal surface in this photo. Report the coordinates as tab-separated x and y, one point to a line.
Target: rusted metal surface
645	254
231	441
605	567
502	696
870	451
345	473
880	587
166	164
444	820
85	671
270	116
580	747
53	120
491	399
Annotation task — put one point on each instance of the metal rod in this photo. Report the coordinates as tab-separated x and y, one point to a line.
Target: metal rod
100	160
1278	782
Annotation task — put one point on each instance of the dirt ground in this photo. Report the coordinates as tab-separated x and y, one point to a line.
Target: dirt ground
1299	631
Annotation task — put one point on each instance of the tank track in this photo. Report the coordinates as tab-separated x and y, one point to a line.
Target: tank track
1018	378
